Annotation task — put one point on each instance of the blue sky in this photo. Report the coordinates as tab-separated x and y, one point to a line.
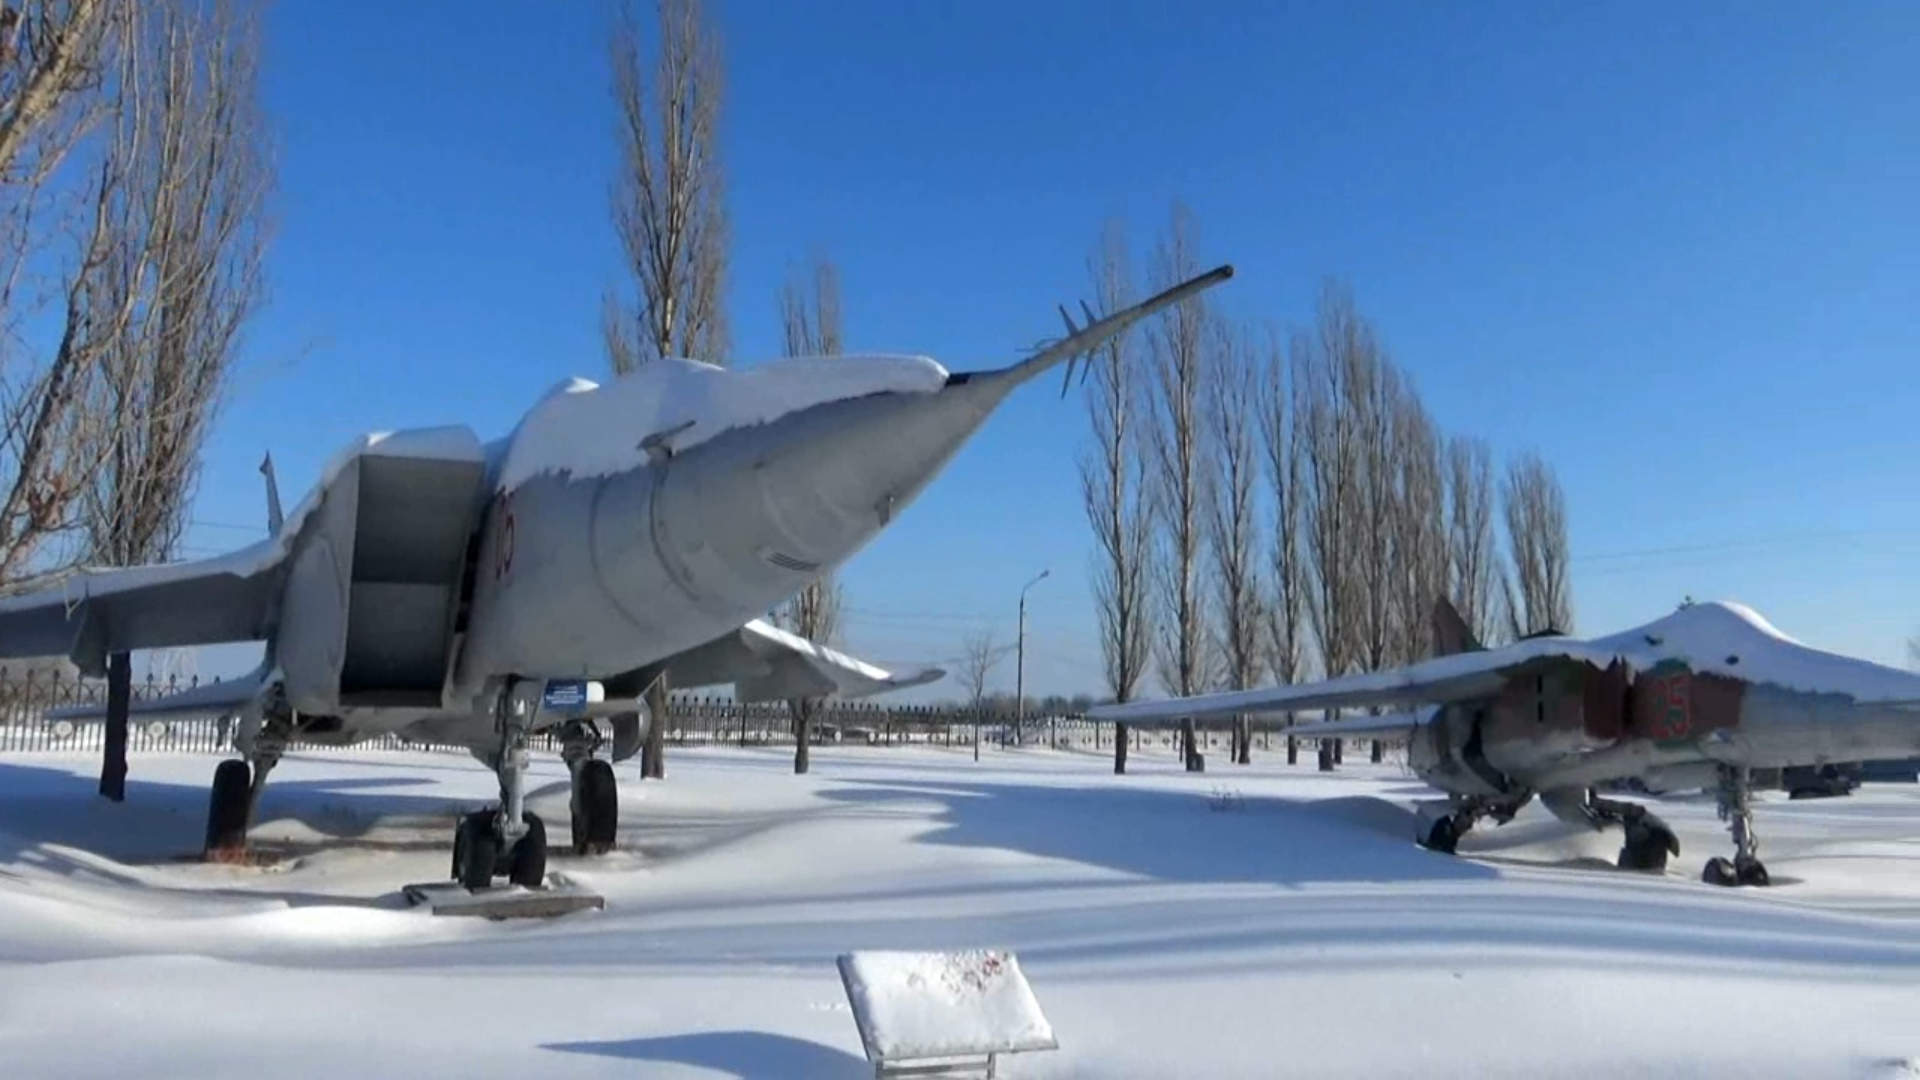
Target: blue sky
1676	248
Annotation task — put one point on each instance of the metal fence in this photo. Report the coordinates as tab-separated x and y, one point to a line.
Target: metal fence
692	720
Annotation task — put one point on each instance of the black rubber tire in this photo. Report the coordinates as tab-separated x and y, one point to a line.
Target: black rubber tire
527	866
1647	847
1443	837
476	849
1752	872
1719	871
227	807
596	808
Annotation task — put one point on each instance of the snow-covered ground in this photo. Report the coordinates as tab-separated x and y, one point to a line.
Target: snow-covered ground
1293	930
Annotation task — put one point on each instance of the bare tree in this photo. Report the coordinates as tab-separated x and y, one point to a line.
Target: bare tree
1913	651
669	212
978	657
1420	526
1283	440
1113	493
1536	517
1473	554
1177	349
668	202
1232	528
1332	503
810	319
55	60
53	55
1373	394
186	269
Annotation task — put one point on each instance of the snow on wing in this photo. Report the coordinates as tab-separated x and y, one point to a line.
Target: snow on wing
1431	682
766	663
86	614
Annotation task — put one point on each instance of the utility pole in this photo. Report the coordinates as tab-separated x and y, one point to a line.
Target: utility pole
1020	664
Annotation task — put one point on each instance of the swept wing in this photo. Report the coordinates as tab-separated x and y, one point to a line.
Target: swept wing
85	614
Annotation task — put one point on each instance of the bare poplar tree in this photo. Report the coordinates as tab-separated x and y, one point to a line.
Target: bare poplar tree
1420	526
1373	394
56	58
1333	504
186	268
1177	350
811	325
1232	528
1536	517
1473	554
1113	491
669	212
1283	442
668	202
54	54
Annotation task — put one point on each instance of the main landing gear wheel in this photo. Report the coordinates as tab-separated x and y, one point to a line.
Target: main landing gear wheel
1442	825
229	807
477	857
1443	836
596	808
1649	841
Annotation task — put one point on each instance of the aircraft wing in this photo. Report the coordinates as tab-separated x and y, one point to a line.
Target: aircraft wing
766	663
87	613
1395	723
1444	679
209	699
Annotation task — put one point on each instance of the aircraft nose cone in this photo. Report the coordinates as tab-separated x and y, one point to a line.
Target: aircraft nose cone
860	463
746	521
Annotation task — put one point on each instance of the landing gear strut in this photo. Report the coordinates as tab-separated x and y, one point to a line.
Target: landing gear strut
595	805
508	840
1442	832
1734	792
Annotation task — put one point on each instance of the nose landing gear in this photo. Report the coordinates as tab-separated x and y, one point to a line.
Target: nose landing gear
507	840
1734	794
478	851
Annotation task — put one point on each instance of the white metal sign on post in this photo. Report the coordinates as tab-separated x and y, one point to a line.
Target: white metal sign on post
947	1014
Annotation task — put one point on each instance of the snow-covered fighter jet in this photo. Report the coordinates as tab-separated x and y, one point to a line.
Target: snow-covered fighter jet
470	593
1696	699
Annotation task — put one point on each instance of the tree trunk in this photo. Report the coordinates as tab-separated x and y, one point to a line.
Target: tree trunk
1119	749
113	763
802	732
1244	728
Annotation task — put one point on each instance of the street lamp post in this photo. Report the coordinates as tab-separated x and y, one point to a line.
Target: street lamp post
1020	663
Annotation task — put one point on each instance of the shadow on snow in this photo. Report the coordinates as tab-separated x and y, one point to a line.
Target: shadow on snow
1180	836
736	1053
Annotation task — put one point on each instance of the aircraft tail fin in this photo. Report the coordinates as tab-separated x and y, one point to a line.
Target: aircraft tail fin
1451	634
274	517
